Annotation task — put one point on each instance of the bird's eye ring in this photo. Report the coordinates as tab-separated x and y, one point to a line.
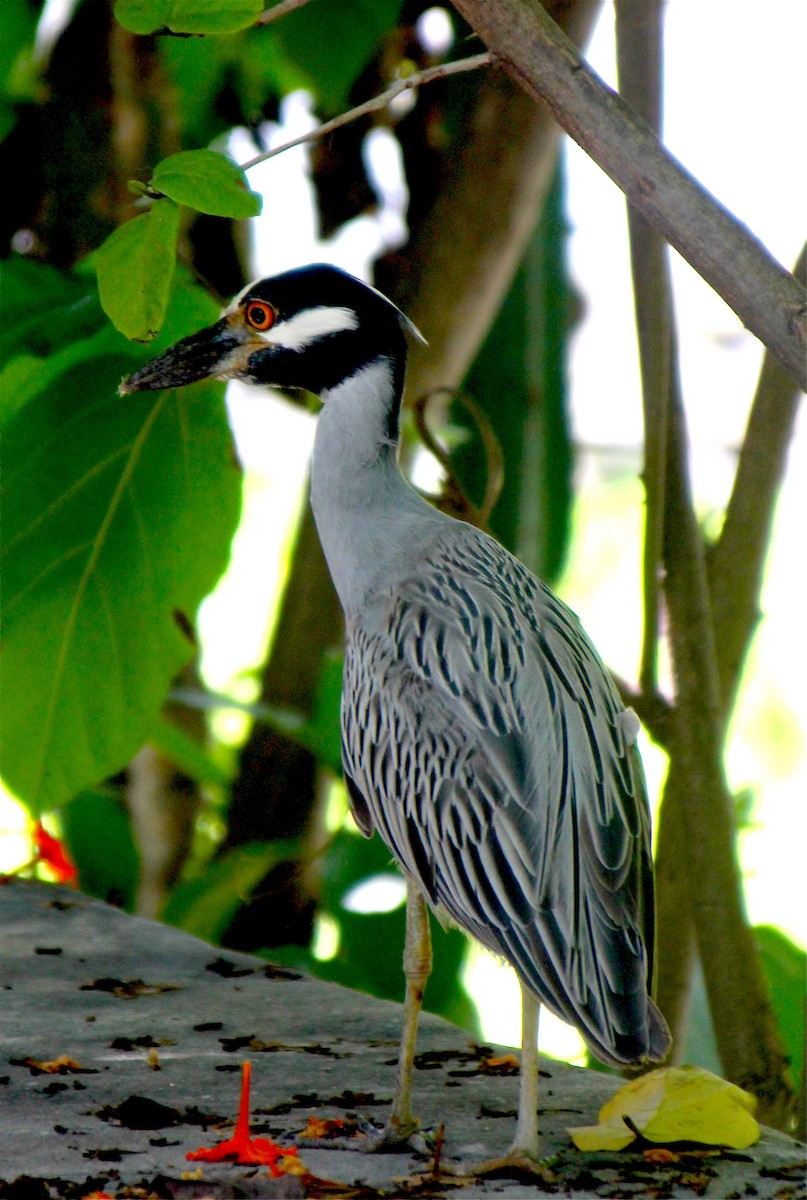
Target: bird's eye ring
259	315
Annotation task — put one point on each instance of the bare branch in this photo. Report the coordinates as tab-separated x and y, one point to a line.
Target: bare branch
748	1038
280	10
737	560
764	295
454	498
638	43
418	79
652	709
639	38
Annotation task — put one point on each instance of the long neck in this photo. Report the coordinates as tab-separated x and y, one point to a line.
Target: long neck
370	521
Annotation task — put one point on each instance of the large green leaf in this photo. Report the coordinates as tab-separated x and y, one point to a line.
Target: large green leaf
45	308
208	182
187	16
100	842
118	515
135	268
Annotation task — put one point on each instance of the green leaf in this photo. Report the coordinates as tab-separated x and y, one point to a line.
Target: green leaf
206	905
100	842
21	379
186	753
323	732
18	72
208	182
135	266
784	964
332	41
118	518
187	16
45	308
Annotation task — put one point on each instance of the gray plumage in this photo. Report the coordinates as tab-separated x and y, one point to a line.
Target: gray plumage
484	740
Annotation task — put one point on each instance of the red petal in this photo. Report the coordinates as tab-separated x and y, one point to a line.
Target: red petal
242	1148
52	853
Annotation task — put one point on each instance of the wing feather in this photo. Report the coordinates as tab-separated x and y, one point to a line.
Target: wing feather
489	747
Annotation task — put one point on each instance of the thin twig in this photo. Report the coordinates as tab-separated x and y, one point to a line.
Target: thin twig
418	79
279	10
639	61
454	498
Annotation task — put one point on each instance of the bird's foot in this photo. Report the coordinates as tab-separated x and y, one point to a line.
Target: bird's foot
358	1132
517	1163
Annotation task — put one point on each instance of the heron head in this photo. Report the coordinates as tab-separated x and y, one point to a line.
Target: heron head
310	328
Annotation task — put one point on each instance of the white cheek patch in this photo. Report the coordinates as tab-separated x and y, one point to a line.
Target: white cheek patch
308	326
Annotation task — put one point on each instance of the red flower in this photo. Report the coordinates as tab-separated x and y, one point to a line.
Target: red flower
242	1148
52	853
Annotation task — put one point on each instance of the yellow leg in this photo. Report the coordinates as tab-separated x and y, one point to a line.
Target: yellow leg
417	965
523	1157
526	1139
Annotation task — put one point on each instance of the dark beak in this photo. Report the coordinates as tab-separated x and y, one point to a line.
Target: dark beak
210	353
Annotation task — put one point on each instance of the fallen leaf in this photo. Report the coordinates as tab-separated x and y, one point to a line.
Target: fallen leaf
660	1154
674	1104
500	1064
321	1127
602	1137
63	1065
127	989
242	1148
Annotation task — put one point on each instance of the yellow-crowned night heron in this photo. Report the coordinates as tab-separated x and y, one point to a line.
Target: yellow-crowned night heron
481	735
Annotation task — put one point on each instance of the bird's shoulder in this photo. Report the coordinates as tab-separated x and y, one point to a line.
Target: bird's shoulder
466	616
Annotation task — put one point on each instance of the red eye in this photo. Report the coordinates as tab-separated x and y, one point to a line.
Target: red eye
259	315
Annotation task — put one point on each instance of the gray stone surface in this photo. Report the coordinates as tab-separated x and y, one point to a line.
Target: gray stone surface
79	978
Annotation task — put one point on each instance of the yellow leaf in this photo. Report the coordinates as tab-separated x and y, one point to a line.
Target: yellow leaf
675	1104
602	1137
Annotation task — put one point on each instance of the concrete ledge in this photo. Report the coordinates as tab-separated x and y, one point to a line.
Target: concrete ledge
149	1012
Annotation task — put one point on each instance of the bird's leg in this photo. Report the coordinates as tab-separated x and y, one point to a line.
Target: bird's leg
417	965
526	1140
403	1127
523	1156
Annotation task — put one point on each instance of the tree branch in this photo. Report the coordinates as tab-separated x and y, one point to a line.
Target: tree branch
376	103
639	39
639	62
764	295
747	1035
737	559
280	10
